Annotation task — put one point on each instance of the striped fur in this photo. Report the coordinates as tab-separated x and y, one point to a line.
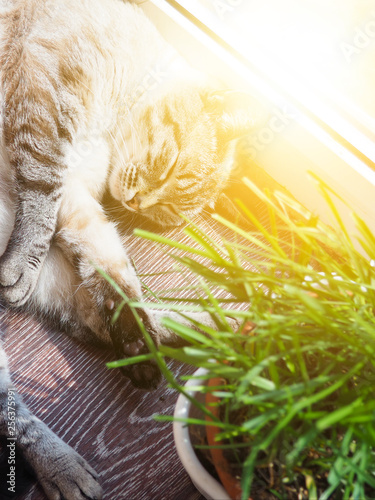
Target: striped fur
77	118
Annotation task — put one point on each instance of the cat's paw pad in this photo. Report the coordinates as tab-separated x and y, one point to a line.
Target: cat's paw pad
18	276
70	477
144	375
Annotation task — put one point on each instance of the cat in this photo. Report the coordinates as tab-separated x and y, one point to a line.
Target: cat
79	116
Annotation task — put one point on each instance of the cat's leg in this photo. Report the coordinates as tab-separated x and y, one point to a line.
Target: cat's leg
33	145
62	473
91	242
36	215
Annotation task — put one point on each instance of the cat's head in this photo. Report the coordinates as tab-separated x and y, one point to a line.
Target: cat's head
179	154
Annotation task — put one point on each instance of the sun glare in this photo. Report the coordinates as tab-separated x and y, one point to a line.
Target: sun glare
313	49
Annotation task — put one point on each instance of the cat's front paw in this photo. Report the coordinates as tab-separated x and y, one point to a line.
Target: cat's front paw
128	341
65	475
18	276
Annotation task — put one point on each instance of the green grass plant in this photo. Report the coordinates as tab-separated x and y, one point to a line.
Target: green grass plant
298	395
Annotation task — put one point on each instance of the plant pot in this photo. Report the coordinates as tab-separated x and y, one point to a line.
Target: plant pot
208	486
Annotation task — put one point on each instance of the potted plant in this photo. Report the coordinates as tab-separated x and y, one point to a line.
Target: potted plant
292	399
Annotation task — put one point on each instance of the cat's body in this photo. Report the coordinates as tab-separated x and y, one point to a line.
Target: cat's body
92	98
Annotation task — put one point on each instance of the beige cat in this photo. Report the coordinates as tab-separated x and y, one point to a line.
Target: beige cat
79	116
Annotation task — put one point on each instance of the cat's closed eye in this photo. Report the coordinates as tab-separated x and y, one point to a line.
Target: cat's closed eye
167	174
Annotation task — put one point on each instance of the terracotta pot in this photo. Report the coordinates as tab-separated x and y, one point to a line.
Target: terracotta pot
229	481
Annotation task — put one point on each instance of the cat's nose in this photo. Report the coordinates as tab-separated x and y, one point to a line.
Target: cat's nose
134	203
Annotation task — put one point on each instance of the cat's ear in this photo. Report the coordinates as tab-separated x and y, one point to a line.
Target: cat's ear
237	113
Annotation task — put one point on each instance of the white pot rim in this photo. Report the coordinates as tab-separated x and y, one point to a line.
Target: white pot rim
204	482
